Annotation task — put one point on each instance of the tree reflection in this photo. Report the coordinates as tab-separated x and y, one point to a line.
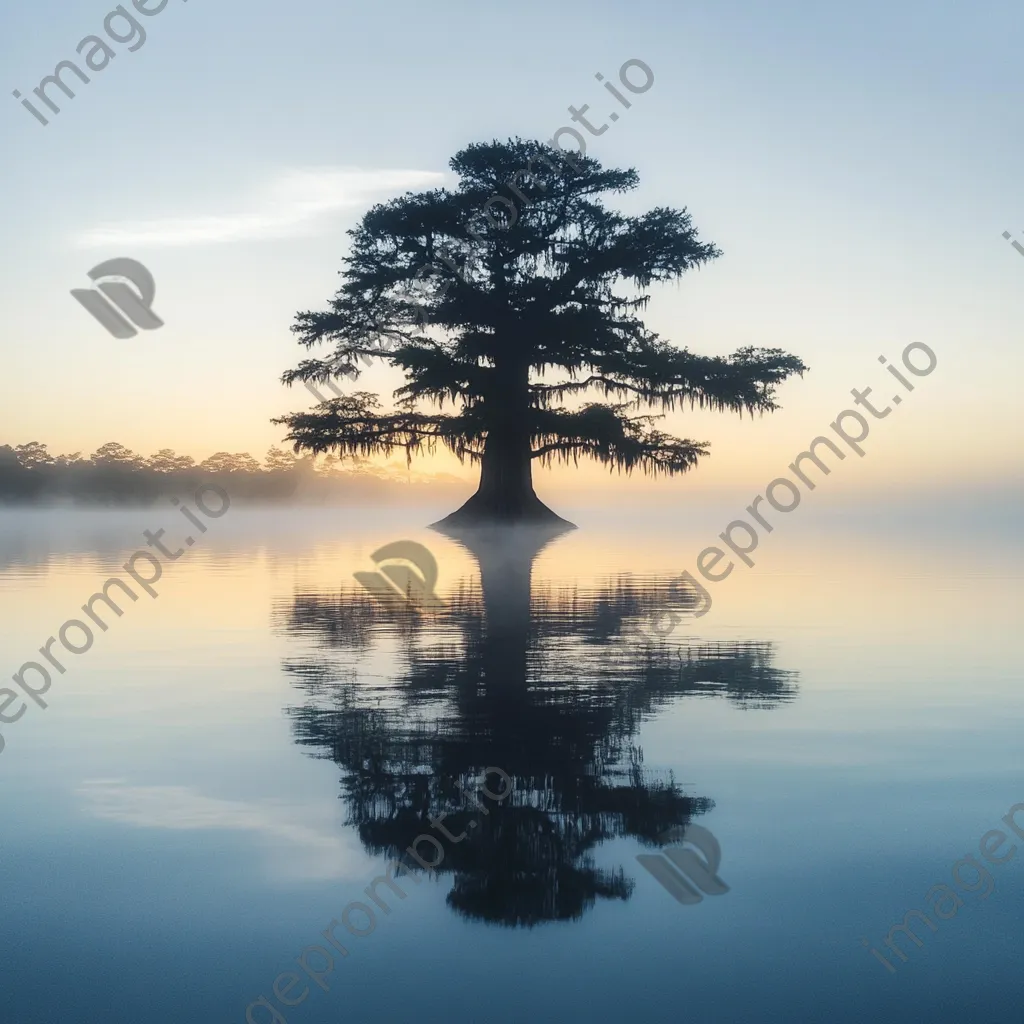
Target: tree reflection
550	685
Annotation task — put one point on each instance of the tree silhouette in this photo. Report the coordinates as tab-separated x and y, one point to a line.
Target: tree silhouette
168	461
279	461
114	474
545	311
34	455
114	455
225	462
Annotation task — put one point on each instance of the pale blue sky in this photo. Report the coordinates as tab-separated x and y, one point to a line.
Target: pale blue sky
856	163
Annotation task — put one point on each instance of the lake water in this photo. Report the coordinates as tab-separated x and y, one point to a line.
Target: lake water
217	780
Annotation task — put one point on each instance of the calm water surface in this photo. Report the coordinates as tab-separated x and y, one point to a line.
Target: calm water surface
232	763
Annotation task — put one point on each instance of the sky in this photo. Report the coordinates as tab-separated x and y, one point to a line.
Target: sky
857	165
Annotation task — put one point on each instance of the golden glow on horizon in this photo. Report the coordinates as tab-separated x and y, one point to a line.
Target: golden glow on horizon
935	428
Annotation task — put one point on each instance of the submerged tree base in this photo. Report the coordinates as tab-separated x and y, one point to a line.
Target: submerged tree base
485	510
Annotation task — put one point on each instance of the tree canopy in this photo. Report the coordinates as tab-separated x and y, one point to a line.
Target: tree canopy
519	330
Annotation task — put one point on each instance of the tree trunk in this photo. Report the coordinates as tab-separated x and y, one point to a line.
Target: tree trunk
505	493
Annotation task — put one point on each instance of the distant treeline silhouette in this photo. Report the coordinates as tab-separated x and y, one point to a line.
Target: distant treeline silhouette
115	474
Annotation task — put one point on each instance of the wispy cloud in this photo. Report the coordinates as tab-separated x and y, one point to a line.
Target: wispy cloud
295	204
181	809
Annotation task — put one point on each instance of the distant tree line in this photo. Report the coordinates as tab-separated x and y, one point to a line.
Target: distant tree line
116	474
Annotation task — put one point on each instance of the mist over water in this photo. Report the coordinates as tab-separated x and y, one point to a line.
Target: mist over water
233	762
